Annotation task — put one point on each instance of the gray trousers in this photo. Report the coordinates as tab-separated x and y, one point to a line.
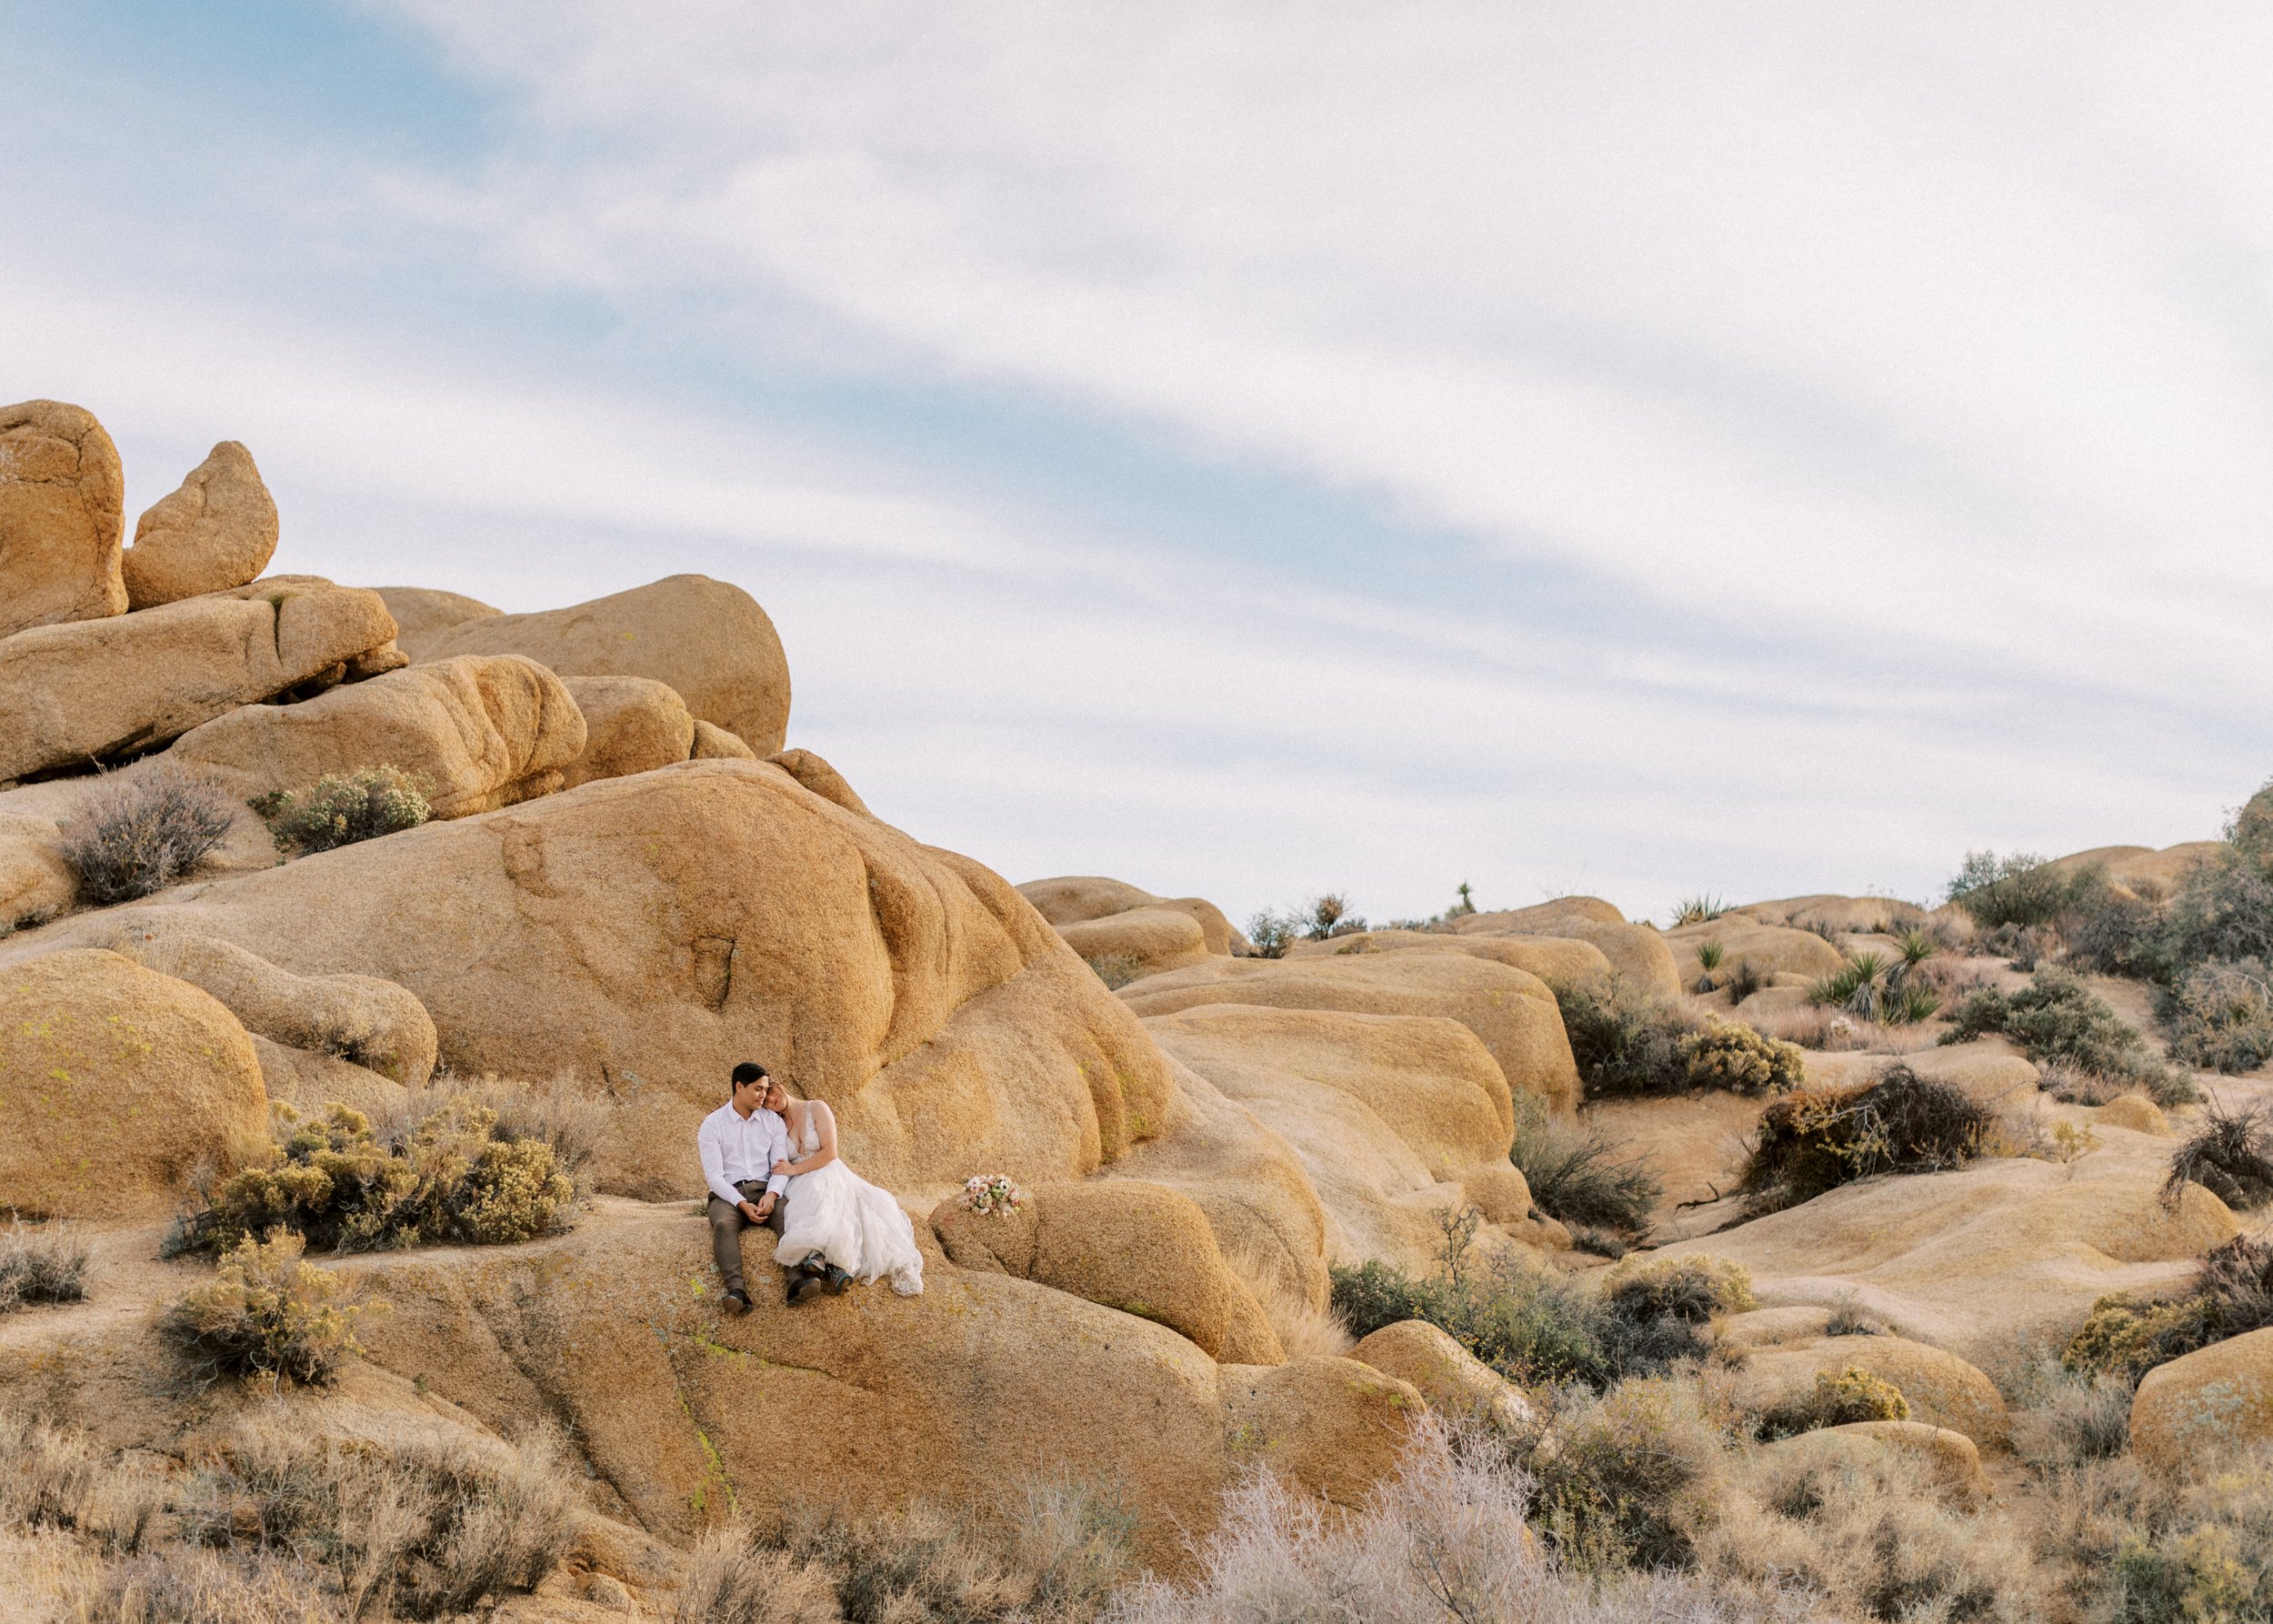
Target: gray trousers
726	1224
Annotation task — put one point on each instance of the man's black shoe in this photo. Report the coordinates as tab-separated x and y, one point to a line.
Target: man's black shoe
738	1302
837	1280
797	1283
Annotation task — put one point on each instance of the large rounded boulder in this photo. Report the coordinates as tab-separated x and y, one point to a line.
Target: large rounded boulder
62	509
218	530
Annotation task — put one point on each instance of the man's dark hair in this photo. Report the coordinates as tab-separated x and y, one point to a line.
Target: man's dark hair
748	1072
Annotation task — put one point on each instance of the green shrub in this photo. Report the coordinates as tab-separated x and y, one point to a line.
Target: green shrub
2221	1016
1625	1040
2230	1156
132	838
1629	1477
1689	1289
2059	1021
2126	1336
2017	889
1270	935
267	1312
1730	1056
41	1263
2114	932
337	810
333	1183
1879	989
1577	1176
1811	1142
1853	1394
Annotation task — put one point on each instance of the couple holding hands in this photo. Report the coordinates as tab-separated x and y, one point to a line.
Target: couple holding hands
770	1161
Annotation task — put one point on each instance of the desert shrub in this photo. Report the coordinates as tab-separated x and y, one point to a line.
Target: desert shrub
1116	970
1689	1289
1730	1056
448	1181
1811	1142
2141	1546
2114	932
174	1586
1743	982
133	836
268	1312
1579	1177
2126	1336
1853	1394
1849	1318
1869	1538
2230	1156
2024	947
1700	909
338	810
2017	890
1625	1040
424	1527
735	1578
1305	1328
1879	989
41	1263
2059	1021
53	1476
2221	1016
2066	1418
1629	1477
2223	909
1270	935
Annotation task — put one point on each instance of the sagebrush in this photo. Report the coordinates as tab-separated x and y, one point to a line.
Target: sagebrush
135	836
267	1312
341	809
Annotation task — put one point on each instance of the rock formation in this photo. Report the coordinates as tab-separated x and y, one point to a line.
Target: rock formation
62	501
216	532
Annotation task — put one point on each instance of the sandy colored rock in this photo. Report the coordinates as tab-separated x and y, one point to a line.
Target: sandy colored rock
1511	1010
1150	940
1943	1389
638	936
1079	899
216	531
1454	1381
2136	1112
1388	1115
61	517
1952	1459
418	609
707	640
1332	1425
371	1023
35	882
983	1378
476	732
2212	1401
1990	1071
2141	870
632	725
2006	1249
1557	960
822	779
1499	1190
96	689
1846	915
1769	950
116	1084
311	1081
1142	1248
1636	952
713	743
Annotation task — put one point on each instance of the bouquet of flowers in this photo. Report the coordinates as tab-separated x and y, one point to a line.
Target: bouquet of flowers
992	1193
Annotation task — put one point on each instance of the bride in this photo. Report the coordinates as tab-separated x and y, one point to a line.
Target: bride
837	1226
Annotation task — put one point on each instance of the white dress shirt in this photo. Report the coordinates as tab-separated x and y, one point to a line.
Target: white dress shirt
736	1149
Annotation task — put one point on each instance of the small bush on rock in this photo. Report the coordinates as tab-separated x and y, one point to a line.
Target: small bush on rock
1853	1394
337	810
41	1263
1733	1057
1689	1289
133	837
1626	1041
2221	1016
268	1312
448	1181
1811	1142
2230	1156
1579	1177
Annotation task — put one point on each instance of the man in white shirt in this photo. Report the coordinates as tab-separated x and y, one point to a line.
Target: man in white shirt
740	1143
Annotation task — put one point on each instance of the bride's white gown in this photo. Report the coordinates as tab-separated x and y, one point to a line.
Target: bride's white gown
834	1211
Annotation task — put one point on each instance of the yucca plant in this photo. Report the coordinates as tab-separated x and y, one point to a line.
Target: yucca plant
1698	910
1708	957
1916	947
1879	988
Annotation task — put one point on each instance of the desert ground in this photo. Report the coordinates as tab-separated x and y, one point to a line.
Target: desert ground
369	956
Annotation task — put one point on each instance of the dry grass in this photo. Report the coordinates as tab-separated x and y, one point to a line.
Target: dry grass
131	838
41	1263
54	1477
1305	1330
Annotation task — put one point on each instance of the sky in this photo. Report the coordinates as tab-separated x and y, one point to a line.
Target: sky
1258	450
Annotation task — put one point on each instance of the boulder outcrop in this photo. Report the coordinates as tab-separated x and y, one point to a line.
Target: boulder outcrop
1635	951
819	776
713	743
216	531
35	882
1072	900
94	690
1952	1461
1557	960
1770	950
632	725
62	513
477	732
707	640
2208	1402
638	936
116	1084
1454	1381
421	609
1510	1009
1142	1248
1943	1389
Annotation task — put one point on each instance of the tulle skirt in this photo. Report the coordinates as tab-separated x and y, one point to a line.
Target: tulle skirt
860	1228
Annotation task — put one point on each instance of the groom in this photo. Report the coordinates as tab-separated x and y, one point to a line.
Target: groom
739	1144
